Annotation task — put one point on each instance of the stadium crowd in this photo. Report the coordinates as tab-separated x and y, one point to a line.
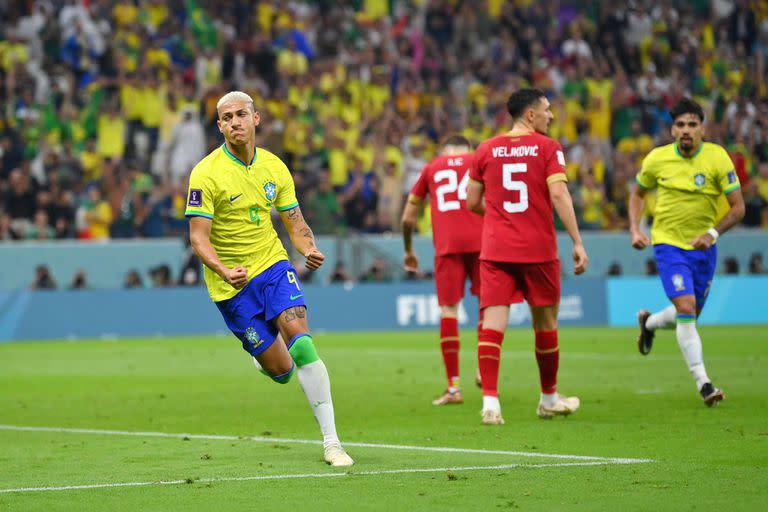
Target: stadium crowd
107	105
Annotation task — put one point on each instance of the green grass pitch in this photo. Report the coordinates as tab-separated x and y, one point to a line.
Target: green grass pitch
633	407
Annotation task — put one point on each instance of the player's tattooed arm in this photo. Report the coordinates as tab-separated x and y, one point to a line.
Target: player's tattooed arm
302	237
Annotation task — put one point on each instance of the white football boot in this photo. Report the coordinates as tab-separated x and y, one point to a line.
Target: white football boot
336	456
564	406
492	417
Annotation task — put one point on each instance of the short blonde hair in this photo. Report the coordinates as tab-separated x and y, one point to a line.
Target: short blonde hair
235	96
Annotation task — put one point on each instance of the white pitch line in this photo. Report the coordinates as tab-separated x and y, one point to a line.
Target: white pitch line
585	356
262	439
308	475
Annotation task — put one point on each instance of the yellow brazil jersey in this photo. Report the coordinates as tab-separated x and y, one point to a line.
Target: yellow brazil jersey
239	198
687	190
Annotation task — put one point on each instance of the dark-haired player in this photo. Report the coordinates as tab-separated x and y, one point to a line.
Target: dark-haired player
516	179
689	177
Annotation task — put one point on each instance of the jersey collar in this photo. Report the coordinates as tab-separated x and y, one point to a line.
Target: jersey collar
677	150
237	160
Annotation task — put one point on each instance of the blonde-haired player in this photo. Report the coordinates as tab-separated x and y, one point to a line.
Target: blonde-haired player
247	271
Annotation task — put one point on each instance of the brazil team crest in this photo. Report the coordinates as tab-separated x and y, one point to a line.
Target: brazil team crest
678	282
699	180
271	190
253	337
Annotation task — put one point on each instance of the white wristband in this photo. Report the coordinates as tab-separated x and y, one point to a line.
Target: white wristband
713	233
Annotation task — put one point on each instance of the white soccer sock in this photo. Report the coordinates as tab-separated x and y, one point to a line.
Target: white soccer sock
314	381
664	319
690	345
548	399
492	403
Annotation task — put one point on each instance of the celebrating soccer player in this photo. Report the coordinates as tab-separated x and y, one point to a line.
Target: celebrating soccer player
516	179
456	236
690	176
231	194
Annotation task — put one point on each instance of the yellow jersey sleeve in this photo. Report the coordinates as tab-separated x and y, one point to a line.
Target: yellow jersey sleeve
200	196
646	178
286	190
728	180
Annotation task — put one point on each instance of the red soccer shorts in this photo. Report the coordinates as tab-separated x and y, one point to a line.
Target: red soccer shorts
451	272
506	283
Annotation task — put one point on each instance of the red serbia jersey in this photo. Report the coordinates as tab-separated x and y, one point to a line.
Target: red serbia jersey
516	171
454	228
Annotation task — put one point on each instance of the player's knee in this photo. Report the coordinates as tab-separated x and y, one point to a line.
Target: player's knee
686	306
284	377
302	350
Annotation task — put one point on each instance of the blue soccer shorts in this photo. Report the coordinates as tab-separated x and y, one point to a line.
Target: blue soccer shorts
686	272
249	314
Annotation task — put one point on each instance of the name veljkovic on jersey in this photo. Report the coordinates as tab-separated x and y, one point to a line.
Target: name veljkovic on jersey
517	152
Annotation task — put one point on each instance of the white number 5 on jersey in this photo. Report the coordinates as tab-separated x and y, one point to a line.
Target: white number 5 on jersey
448	180
508	171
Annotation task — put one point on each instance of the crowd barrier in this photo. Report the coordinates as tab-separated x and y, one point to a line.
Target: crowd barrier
107	263
85	314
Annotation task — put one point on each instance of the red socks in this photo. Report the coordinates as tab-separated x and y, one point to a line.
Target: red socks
548	357
488	358
449	345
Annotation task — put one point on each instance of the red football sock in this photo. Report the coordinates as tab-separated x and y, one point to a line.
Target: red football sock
548	357
449	345
478	378
488	358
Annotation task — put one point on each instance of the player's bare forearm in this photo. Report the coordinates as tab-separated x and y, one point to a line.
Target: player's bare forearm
732	217
199	238
301	234
638	239
734	214
475	197
302	237
561	199
407	237
636	206
410	216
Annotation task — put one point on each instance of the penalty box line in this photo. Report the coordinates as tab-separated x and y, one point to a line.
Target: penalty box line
308	475
263	439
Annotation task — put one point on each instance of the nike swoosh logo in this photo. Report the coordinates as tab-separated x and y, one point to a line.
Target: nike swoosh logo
232	198
318	403
662	179
294	297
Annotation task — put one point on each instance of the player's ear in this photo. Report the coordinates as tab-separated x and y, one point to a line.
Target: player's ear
256	118
218	125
